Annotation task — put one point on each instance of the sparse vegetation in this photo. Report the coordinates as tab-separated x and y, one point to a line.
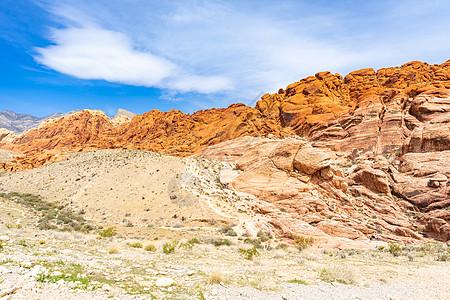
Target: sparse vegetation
395	249
215	278
53	215
337	274
150	247
249	253
108	232
298	281
136	245
169	247
303	243
227	230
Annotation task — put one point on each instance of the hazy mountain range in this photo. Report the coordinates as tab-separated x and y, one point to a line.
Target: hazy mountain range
18	123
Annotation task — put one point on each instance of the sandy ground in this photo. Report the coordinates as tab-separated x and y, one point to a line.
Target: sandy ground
123	187
202	271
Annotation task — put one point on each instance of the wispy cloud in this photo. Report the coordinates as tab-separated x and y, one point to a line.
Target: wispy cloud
236	49
94	53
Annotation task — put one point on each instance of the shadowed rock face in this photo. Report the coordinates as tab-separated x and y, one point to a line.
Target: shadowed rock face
373	159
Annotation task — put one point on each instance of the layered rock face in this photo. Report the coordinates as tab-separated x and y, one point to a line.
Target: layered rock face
366	110
307	191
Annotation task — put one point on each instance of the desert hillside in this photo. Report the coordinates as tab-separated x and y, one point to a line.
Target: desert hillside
371	111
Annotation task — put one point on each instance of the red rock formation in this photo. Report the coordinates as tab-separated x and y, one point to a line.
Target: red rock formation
304	192
400	110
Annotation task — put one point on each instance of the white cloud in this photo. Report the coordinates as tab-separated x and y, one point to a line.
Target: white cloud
237	49
93	53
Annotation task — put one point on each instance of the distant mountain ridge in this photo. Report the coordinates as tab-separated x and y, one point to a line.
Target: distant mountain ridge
19	123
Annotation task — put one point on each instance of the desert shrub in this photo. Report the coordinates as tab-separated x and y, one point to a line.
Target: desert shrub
169	247
263	237
337	274
194	241
303	243
395	249
53	215
443	257
23	242
113	249
215	278
281	246
136	245
249	253
220	242
108	232
150	247
227	230
186	246
255	242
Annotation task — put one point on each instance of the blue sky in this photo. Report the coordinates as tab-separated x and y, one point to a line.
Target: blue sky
139	55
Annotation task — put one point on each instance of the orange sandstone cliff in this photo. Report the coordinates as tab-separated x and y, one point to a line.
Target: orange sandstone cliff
373	157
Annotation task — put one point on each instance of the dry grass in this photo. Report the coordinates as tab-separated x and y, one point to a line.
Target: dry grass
150	247
337	274
215	278
113	249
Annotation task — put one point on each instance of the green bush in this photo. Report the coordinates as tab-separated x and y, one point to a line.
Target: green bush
194	241
249	253
136	245
395	249
303	243
254	242
169	248
150	247
109	232
227	230
219	242
298	281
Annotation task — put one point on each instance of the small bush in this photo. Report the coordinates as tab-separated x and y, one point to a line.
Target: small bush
113	249
215	278
227	230
340	275
169	248
249	253
263	237
23	242
136	245
395	249
443	257
281	246
194	241
109	232
220	242
303	243
255	242
150	247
